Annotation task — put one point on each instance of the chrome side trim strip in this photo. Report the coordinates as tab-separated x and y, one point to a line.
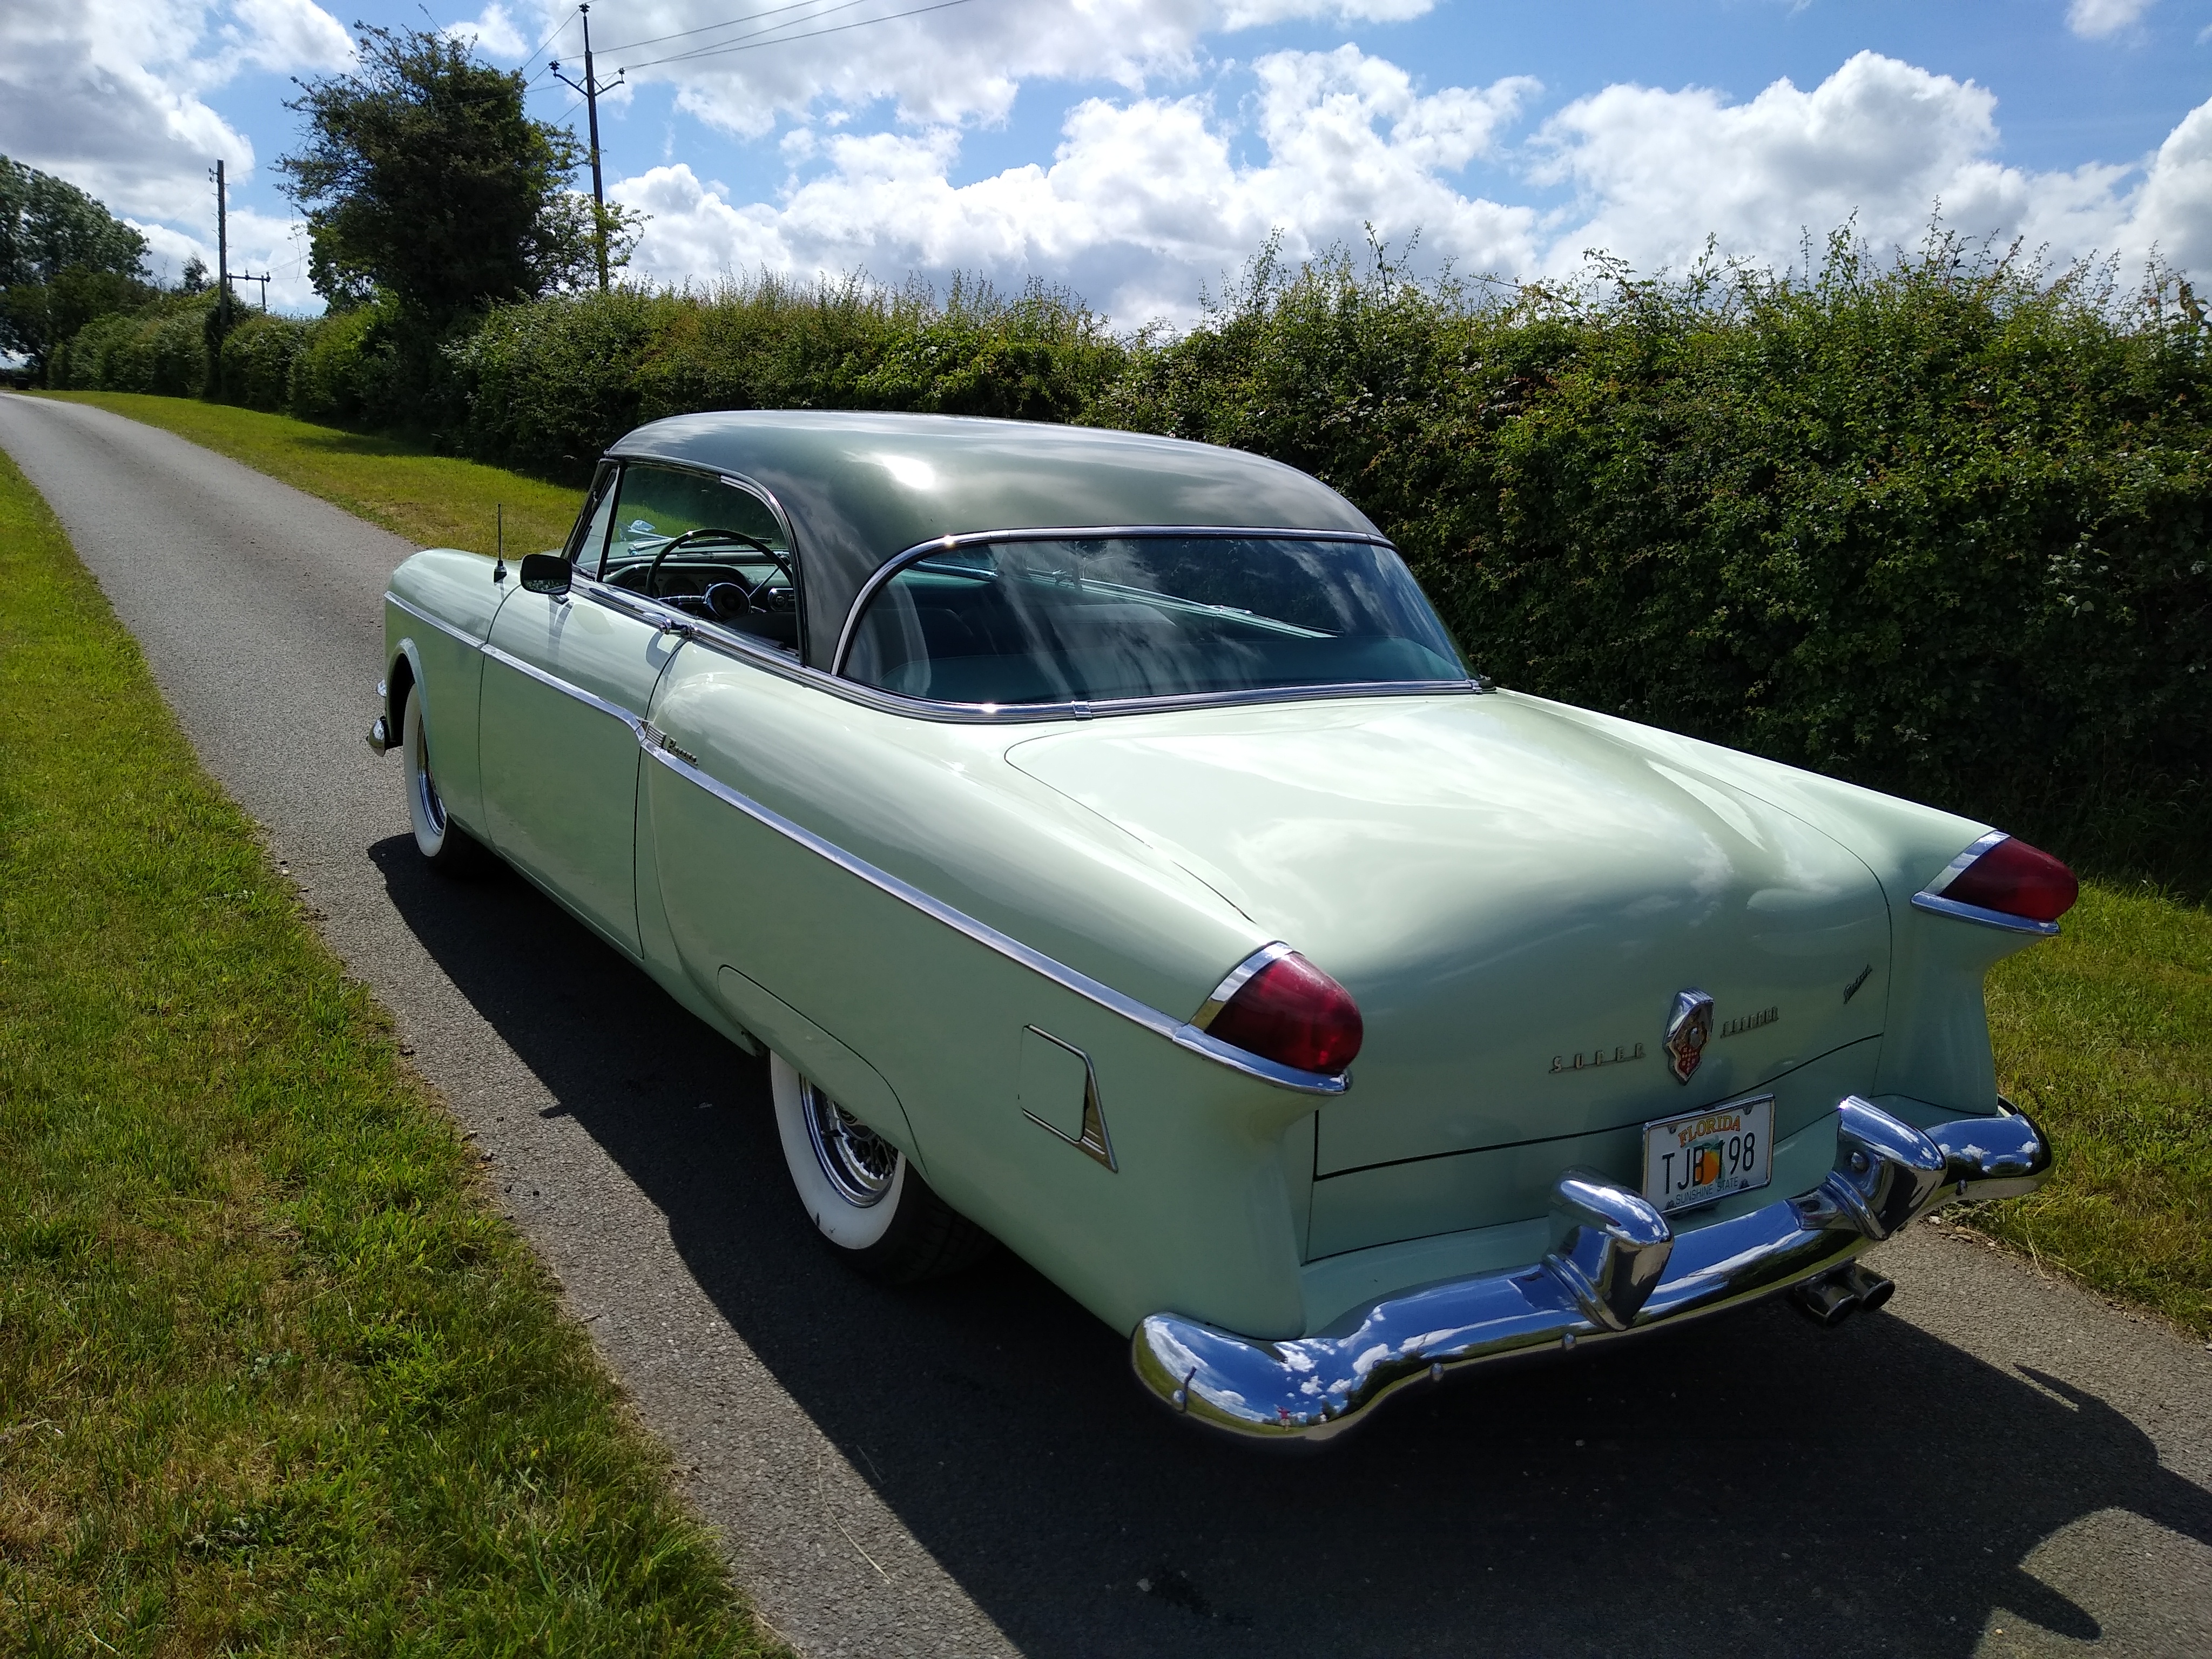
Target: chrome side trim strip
1235	981
445	627
533	671
1936	903
1179	1032
899	562
1615	1268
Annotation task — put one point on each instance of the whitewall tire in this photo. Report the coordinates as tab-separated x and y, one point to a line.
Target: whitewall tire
444	844
867	1202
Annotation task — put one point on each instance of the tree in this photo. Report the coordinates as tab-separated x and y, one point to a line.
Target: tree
422	177
193	279
64	260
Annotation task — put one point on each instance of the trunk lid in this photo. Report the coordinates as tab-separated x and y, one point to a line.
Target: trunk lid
1514	898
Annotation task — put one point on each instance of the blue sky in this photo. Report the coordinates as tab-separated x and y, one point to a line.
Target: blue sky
1140	149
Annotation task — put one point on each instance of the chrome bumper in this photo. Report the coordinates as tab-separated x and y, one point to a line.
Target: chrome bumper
1615	1267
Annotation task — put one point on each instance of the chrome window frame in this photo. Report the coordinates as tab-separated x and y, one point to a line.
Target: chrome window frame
647	608
572	549
988	712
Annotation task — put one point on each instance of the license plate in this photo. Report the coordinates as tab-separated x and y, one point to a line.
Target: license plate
1693	1160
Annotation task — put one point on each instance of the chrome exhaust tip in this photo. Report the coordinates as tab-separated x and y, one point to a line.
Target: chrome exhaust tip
1835	1296
1825	1301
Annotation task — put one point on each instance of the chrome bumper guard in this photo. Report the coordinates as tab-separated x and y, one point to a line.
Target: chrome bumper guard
380	739
1615	1267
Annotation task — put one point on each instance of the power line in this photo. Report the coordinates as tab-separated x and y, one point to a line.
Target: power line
713	47
705	29
749	45
567	19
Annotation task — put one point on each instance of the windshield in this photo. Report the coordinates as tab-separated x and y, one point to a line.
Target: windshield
1098	620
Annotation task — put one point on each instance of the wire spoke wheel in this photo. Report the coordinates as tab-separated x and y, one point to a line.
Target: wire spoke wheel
866	1201
859	1162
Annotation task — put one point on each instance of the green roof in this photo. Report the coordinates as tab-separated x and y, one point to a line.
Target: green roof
860	488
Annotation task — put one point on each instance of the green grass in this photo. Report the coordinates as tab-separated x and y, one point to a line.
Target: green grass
275	1377
2104	1034
433	500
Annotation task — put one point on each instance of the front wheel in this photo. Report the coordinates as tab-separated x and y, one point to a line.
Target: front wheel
866	1201
447	847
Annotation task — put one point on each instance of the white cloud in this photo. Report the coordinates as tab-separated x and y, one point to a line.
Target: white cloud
1146	200
108	94
285	35
2094	20
494	32
1143	202
1879	141
950	67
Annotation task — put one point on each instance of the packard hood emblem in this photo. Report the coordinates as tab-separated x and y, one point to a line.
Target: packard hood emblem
1689	1028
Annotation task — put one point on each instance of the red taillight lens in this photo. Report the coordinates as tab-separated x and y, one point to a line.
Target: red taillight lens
1292	1012
2017	879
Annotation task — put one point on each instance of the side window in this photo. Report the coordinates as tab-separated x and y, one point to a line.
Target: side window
588	540
711	549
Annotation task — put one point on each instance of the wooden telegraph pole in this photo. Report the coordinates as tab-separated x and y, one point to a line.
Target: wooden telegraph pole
224	275
591	88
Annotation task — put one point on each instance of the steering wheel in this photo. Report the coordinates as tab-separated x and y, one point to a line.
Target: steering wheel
713	532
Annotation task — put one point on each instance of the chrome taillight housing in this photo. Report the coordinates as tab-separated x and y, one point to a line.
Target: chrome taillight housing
2002	882
1276	1004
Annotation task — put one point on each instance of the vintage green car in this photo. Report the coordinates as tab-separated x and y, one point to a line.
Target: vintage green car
1063	811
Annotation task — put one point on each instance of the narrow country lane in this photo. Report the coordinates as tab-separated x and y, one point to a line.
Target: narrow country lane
1997	1464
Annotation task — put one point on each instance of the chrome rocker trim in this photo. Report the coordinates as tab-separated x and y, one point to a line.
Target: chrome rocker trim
1615	1267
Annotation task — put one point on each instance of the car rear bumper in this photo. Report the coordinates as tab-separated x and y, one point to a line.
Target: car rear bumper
1615	1267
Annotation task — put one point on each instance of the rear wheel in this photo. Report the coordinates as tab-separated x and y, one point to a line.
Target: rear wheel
448	847
868	1203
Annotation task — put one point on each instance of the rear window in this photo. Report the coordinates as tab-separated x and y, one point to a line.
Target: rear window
1115	618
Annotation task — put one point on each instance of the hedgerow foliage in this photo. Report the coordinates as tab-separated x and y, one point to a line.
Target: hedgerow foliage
1938	524
554	382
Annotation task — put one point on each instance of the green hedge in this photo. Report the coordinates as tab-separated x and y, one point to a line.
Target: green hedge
163	349
552	383
1939	525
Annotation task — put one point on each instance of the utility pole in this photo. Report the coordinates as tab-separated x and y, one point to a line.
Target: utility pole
592	88
224	275
222	256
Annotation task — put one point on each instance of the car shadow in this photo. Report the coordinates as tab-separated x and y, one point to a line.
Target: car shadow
1760	1487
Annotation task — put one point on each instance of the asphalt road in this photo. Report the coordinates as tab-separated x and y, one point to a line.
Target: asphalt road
1997	1464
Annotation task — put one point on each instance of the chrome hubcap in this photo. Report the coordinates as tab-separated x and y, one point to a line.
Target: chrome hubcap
859	1162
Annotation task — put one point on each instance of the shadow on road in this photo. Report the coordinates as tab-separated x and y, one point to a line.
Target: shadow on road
1758	1486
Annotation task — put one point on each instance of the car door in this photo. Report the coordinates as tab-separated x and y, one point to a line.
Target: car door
567	678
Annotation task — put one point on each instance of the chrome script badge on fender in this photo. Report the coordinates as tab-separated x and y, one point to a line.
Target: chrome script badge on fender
1689	1028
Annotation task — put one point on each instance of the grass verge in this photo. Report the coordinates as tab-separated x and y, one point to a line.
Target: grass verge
2104	1034
274	1375
433	500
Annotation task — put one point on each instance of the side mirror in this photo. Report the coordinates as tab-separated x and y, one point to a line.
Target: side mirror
546	572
